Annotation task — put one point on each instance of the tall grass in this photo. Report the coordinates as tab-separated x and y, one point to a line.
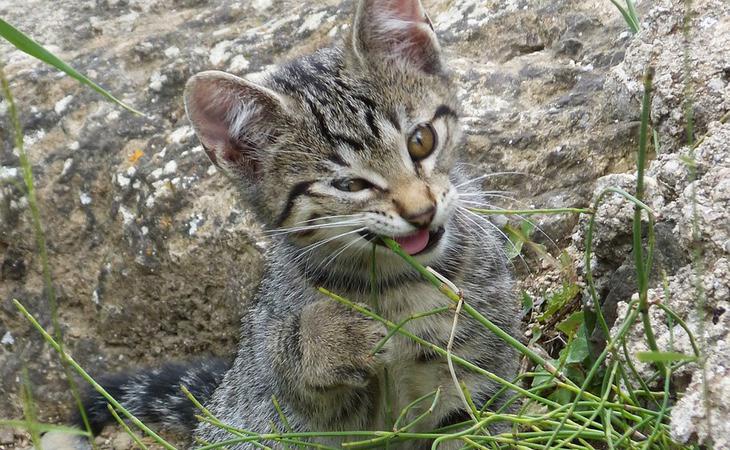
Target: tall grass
26	44
40	237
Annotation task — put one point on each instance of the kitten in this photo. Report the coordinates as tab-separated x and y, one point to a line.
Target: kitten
333	150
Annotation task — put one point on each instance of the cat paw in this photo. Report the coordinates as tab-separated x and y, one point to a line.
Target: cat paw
341	346
372	334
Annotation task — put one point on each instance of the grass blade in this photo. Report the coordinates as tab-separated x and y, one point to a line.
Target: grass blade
662	357
24	43
69	360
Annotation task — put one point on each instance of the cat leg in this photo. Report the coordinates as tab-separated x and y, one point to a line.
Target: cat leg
326	364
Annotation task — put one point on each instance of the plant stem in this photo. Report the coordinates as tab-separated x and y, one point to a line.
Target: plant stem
526	212
40	238
443	288
641	264
87	377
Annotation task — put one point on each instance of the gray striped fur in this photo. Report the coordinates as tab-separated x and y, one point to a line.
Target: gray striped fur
286	137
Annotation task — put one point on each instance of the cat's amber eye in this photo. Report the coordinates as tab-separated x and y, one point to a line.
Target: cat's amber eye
352	184
422	142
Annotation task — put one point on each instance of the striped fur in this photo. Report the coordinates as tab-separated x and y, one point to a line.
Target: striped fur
289	139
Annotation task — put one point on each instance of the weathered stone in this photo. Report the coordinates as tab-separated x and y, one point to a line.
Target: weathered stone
154	257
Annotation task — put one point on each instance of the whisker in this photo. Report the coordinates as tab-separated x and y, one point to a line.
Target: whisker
480	218
337	216
327	261
520	216
487	175
480	193
318	244
474	235
505	197
280	231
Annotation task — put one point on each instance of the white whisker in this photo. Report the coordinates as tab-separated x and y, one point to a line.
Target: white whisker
318	244
280	231
337	216
520	216
327	261
506	238
487	175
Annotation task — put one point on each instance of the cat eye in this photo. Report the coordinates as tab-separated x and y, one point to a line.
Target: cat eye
352	184
422	142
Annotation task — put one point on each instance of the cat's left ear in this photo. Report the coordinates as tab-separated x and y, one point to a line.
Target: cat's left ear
235	120
395	32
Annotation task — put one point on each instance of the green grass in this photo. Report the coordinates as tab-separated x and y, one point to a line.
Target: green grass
628	12
25	43
577	400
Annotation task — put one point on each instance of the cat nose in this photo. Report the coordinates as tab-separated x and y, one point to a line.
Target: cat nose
421	219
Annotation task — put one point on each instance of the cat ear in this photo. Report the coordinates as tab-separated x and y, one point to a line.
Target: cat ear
395	31
233	118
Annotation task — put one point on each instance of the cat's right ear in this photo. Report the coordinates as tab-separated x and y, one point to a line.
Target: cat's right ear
395	32
235	119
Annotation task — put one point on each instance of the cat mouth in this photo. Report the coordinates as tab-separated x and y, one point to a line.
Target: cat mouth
415	243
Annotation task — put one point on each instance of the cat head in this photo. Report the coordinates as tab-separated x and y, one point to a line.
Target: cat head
347	144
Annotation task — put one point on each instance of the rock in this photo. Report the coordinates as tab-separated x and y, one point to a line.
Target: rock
688	190
662	44
122	441
6	436
695	418
153	255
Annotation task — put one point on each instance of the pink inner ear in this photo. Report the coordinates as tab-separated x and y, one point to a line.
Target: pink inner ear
408	10
399	30
224	112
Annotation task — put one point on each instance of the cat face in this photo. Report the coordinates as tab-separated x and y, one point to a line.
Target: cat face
347	144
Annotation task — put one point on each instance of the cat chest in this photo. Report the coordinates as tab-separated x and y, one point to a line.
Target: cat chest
412	370
421	310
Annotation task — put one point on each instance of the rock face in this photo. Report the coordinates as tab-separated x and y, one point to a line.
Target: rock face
154	257
688	187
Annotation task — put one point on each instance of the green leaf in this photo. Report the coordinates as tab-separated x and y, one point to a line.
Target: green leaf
542	376
664	357
562	396
570	325
575	373
527	228
516	241
536	334
527	303
558	299
578	348
26	44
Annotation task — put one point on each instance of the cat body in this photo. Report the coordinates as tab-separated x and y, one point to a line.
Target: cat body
333	150
335	385
342	394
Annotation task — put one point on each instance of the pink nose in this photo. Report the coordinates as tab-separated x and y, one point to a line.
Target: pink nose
421	219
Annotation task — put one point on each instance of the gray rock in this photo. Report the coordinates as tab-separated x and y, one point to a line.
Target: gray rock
693	211
154	257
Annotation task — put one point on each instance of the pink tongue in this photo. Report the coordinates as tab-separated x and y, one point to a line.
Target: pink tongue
413	243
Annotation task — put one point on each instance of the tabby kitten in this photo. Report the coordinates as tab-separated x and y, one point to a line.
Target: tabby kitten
333	150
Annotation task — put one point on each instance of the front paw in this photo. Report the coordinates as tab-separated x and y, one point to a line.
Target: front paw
340	346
